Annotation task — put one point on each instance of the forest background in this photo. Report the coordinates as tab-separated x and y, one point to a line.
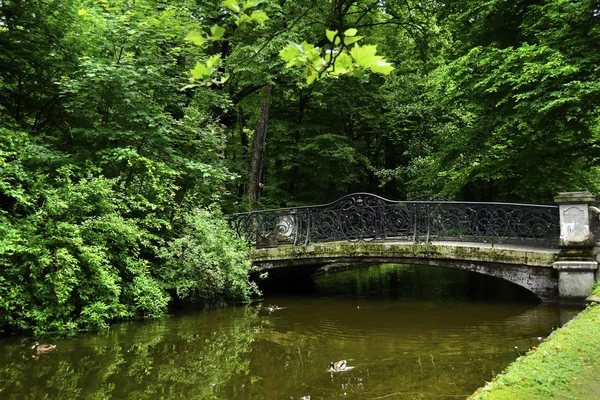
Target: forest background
128	127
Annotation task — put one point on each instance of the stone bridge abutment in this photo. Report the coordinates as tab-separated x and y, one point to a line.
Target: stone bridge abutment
577	264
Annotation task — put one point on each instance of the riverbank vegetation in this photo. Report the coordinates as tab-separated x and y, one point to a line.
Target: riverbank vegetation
128	127
562	367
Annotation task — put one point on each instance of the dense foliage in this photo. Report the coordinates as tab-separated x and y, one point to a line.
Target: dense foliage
128	126
107	168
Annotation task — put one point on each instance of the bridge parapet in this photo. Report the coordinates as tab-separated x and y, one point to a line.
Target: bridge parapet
365	217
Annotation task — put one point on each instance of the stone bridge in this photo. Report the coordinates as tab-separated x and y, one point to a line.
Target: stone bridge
547	249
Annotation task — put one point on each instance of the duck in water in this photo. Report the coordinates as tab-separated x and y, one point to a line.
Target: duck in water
337	366
43	348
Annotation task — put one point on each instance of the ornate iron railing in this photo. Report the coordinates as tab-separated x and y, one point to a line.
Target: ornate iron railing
364	216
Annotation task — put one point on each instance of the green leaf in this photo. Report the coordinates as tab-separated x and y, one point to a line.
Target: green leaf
217	32
350	40
365	55
316	61
330	34
200	71
307	47
213	61
289	53
343	64
259	16
249	4
350	32
382	67
311	75
233	5
243	19
361	74
195	37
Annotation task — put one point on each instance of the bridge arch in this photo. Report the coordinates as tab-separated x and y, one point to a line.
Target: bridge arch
526	267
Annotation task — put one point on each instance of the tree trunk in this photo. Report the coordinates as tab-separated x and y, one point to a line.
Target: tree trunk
295	168
258	149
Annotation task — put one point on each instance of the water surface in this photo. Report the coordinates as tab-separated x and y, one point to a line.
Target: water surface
411	332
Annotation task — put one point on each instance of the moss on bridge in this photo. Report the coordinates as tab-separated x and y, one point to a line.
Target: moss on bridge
399	251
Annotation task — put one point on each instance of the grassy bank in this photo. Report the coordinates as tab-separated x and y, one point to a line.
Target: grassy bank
565	366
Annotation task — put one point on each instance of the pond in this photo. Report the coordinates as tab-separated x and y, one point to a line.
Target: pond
410	332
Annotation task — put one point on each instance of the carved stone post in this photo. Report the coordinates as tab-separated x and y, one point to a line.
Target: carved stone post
576	265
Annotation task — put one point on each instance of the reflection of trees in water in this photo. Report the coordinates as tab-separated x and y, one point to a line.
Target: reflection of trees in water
406	350
397	281
163	359
400	348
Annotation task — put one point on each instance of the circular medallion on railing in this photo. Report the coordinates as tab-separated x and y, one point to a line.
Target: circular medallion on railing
285	226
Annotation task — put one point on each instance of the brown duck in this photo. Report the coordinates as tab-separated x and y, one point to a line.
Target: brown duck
43	348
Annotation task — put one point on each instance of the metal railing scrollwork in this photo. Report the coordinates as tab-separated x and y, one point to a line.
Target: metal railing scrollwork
365	217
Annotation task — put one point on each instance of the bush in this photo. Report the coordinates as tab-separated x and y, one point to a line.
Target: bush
77	261
207	262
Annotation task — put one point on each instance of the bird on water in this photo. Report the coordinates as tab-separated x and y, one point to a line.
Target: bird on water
337	366
43	348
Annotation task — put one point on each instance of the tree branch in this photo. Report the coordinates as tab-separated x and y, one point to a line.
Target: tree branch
274	35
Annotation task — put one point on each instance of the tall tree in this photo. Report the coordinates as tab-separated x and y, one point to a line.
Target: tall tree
521	95
107	168
258	148
335	32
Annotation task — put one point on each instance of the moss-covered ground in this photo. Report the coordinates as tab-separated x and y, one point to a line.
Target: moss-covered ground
564	366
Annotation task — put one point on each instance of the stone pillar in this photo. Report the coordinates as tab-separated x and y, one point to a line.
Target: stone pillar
576	265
